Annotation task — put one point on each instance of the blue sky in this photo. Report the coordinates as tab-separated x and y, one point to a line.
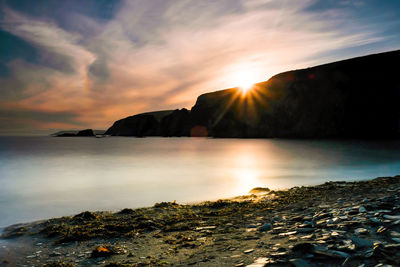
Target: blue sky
86	63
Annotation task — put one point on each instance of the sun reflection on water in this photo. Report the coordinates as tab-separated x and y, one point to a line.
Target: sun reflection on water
245	172
246	179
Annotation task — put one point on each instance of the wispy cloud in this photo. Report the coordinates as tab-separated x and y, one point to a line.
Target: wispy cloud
162	54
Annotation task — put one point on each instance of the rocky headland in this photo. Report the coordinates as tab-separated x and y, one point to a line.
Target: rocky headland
333	224
354	98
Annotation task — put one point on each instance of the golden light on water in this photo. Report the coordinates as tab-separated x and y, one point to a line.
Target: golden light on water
245	172
246	179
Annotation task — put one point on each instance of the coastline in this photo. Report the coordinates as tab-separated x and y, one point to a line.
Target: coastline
335	223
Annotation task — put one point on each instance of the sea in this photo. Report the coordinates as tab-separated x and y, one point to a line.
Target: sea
45	177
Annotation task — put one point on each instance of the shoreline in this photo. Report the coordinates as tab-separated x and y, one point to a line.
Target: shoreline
335	223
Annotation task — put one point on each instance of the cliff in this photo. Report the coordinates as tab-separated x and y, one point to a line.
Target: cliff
144	124
354	98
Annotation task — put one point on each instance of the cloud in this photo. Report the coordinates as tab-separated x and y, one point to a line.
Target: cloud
162	54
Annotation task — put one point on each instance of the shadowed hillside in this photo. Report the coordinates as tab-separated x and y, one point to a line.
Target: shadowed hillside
144	124
355	98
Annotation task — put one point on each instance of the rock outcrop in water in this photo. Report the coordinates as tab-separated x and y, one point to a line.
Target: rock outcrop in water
87	132
355	98
73	133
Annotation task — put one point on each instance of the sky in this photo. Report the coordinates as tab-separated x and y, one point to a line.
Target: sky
77	64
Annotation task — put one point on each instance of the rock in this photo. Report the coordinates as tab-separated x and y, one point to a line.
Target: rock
211	227
66	135
308	237
390	253
303	248
127	211
248	251
279	254
362	243
86	215
362	209
297	218
259	190
375	220
330	253
260	262
106	251
87	132
334	233
265	227
299	262
395	234
288	233
348	245
392	217
361	231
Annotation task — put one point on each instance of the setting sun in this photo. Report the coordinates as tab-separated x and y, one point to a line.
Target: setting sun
245	81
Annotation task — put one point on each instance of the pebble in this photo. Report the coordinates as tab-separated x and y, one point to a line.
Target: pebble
361	231
395	234
307	237
265	227
392	217
31	256
332	253
362	243
260	262
206	228
288	233
335	234
375	220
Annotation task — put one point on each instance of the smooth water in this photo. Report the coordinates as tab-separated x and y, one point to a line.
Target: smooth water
42	177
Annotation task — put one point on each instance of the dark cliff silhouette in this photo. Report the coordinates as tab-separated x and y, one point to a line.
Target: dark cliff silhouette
354	98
